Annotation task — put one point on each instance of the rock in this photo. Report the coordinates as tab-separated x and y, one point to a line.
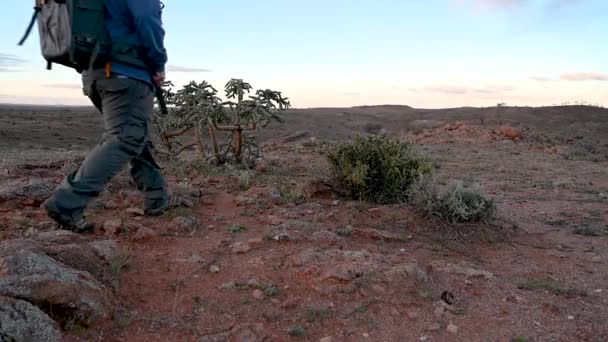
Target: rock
256	242
452	329
412	314
112	227
439	312
295	136
311	142
462	269
596	259
407	269
326	339
105	249
273	194
325	237
515	299
144	234
375	234
316	189
22	321
110	205
228	286
214	269
35	190
73	296
274	220
60	237
240	248
186	222
258	294
188	190
261	165
335	203
135	212
433	327
81	257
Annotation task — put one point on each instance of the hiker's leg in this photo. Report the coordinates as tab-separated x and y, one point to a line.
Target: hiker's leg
126	106
146	174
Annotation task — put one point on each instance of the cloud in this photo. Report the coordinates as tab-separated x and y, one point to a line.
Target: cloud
540	78
584	76
10	63
448	89
177	68
462	90
351	93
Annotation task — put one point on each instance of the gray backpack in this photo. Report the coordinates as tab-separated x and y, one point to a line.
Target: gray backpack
73	34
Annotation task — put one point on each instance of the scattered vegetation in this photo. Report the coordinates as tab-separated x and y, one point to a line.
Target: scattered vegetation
519	339
316	314
378	169
457	204
118	262
235	229
591	230
297	331
550	286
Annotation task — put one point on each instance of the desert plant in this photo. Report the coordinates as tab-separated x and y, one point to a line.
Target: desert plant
246	114
197	107
188	110
377	168
457	204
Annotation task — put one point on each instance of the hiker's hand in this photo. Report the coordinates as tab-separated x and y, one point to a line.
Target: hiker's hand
158	77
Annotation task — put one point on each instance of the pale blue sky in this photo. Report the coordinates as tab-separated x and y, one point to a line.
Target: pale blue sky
433	53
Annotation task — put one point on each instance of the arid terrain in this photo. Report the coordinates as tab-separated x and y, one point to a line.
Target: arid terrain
274	254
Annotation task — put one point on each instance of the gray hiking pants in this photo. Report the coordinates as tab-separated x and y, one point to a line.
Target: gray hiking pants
126	105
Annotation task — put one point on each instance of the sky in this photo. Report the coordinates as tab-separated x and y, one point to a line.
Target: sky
335	53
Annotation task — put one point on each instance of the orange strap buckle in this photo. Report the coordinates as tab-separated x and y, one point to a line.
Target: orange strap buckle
108	70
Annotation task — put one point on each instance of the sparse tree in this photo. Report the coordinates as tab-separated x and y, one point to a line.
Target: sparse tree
197	107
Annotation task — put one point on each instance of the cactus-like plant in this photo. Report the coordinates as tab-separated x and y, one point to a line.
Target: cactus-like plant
197	106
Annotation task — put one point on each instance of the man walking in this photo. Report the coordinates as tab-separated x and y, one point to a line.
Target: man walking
123	93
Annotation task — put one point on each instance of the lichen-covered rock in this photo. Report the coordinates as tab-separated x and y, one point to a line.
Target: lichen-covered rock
37	190
22	321
68	295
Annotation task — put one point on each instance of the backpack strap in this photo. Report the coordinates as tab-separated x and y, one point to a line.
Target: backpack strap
37	10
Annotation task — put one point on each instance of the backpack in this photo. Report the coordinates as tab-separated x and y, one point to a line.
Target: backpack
73	34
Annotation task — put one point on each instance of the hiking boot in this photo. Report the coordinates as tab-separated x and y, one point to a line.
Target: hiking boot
171	203
76	224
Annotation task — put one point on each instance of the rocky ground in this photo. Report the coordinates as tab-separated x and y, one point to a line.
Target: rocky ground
273	254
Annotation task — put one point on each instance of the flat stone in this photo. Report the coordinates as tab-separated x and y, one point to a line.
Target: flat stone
144	234
258	294
240	248
111	227
452	329
433	327
135	212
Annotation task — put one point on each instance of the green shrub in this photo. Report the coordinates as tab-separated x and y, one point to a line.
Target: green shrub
457	204
378	169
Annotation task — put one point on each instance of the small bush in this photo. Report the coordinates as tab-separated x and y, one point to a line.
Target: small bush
455	205
378	169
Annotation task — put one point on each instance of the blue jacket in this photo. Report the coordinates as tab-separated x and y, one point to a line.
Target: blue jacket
138	22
